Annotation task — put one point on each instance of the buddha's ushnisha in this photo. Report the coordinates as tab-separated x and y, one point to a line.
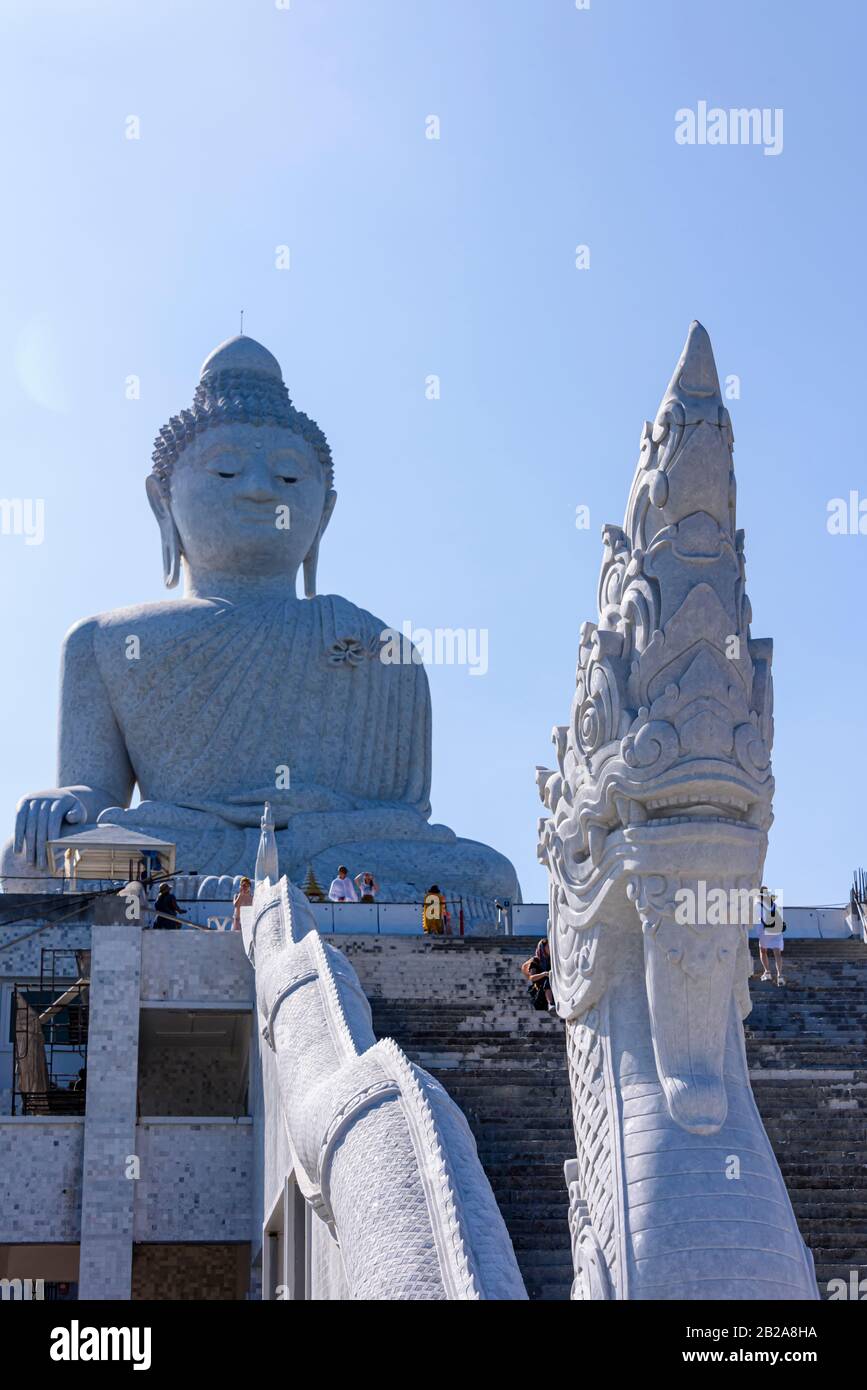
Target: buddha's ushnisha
240	692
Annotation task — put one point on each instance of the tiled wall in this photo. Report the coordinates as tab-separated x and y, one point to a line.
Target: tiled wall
196	966
40	1179
190	1271
20	961
196	1180
109	1130
193	1080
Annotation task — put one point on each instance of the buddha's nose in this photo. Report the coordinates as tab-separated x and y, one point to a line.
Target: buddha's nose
257	483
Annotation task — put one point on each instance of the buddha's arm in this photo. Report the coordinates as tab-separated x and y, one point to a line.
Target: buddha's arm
91	754
93	769
409	765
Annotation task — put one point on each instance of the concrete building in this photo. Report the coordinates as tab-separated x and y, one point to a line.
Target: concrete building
149	1192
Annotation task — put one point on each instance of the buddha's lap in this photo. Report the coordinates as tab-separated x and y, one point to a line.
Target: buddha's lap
226	850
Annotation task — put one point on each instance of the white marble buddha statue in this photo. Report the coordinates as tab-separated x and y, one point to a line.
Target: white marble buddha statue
240	692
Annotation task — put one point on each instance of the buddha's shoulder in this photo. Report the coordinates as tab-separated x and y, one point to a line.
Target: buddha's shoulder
345	615
171	616
338	618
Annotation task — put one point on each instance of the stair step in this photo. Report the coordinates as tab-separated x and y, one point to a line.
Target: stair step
459	1008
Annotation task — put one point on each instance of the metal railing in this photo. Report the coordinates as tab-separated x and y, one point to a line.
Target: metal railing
370	919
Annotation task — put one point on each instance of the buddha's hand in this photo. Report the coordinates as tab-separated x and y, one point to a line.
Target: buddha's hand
39	818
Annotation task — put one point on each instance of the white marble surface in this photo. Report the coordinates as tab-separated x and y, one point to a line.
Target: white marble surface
662	789
379	1150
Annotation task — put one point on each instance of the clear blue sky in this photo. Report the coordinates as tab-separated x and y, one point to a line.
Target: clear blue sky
305	126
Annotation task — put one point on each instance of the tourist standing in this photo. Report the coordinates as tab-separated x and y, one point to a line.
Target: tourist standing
243	898
167	908
367	887
342	888
771	930
436	918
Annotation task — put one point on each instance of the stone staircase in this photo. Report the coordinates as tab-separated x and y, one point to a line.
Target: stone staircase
460	1009
807	1052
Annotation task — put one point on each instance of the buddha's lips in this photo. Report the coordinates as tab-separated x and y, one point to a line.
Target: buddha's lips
258	511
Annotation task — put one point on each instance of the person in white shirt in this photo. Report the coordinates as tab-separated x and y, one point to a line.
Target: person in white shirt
367	887
342	889
136	894
771	928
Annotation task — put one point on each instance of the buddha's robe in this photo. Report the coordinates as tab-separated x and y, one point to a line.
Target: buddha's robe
218	708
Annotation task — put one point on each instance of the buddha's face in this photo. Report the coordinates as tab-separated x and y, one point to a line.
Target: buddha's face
247	499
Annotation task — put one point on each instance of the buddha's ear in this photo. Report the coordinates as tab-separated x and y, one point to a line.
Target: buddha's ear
172	549
311	559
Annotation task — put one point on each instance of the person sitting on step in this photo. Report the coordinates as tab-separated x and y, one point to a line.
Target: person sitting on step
538	971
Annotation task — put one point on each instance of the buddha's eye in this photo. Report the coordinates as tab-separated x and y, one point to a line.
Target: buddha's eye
284	478
227	475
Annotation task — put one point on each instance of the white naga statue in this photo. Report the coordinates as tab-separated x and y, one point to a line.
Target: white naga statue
377	1147
659	811
240	692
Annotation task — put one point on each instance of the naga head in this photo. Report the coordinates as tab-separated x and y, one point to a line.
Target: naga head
663	784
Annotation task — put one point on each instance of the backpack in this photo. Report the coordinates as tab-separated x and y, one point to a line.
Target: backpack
776	924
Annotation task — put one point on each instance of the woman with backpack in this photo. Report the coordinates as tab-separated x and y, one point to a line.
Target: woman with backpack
771	928
538	971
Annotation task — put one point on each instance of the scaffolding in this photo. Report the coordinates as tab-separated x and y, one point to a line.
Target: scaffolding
49	1032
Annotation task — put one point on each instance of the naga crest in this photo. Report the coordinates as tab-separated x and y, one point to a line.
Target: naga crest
662	791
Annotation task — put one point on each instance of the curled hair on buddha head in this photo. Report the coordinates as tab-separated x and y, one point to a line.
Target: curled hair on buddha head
241	382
